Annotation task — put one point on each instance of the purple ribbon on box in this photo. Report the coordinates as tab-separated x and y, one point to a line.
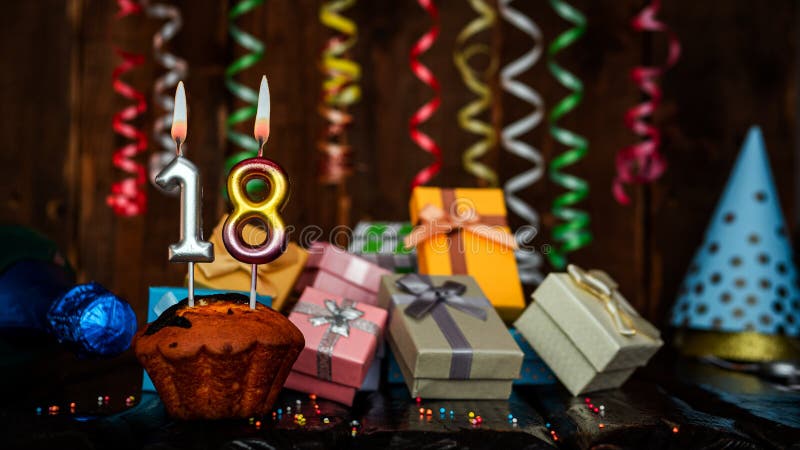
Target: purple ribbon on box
339	319
424	298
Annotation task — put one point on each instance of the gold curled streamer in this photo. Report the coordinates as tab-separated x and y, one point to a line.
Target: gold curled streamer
340	90
468	115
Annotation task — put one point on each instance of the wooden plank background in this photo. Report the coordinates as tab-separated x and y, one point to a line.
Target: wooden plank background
738	69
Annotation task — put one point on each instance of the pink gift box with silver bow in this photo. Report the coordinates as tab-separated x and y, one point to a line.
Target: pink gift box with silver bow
341	337
323	389
333	270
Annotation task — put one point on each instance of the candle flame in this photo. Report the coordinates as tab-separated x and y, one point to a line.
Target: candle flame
261	128
179	117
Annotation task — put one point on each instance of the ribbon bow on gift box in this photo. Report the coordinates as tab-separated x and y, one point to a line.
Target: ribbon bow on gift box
434	221
424	299
429	296
339	319
626	320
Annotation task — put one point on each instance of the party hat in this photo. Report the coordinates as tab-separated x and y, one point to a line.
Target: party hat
741	291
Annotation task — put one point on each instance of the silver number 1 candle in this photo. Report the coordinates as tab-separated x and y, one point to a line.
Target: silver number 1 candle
181	172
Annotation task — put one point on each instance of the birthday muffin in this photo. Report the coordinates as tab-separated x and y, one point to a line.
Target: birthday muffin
218	359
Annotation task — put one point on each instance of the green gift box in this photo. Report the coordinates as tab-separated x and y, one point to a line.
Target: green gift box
382	243
447	338
586	332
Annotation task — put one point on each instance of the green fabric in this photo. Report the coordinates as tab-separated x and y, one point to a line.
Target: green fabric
21	243
374	238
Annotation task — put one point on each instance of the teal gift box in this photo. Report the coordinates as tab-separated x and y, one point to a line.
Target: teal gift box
160	298
534	370
393	374
382	243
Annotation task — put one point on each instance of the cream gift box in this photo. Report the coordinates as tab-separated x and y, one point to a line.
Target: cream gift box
586	332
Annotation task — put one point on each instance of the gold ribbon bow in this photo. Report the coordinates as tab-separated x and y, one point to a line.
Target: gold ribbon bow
619	311
434	221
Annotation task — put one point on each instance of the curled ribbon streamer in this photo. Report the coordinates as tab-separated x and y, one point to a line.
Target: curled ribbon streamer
247	145
128	7
529	261
340	90
642	162
468	115
164	86
425	112
574	232
128	197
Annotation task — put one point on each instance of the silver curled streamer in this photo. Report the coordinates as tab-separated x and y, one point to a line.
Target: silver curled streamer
529	261
164	87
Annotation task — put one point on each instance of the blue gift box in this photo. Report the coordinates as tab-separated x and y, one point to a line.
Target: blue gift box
372	381
160	298
534	370
393	374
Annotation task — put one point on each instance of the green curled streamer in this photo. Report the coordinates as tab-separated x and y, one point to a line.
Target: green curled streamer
246	143
573	232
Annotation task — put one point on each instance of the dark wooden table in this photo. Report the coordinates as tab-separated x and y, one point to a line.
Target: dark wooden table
673	403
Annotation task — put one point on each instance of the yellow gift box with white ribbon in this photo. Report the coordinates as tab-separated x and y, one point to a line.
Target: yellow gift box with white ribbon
275	279
464	231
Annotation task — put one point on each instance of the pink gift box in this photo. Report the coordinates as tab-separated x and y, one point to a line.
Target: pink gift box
334	270
341	336
324	389
334	391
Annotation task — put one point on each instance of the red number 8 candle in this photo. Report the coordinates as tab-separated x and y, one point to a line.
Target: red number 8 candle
266	210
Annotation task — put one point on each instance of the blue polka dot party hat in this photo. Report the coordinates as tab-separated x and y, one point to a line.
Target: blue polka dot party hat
740	299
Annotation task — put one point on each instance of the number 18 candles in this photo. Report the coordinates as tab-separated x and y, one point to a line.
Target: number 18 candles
181	172
246	209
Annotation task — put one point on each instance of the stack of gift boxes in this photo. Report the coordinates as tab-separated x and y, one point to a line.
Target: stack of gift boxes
443	293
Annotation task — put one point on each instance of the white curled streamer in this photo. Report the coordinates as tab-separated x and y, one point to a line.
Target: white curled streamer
529	260
164	86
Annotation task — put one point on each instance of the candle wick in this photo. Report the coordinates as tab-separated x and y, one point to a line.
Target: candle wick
261	143
179	147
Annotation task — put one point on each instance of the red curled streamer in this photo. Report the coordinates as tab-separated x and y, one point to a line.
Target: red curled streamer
128	7
128	197
642	162
428	109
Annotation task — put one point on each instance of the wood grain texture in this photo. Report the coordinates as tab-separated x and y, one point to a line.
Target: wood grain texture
35	110
737	69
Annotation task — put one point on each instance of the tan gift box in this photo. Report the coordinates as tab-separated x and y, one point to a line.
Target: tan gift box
275	279
481	389
448	340
574	332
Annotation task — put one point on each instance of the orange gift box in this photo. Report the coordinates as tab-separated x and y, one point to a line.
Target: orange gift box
275	279
464	231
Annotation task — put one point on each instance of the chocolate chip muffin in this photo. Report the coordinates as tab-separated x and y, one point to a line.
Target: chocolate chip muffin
218	359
